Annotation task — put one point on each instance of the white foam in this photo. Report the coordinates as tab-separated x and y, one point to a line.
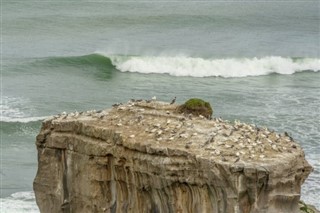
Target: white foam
10	111
23	120
19	202
10	107
199	67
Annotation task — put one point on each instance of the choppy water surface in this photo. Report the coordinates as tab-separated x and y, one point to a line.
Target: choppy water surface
256	65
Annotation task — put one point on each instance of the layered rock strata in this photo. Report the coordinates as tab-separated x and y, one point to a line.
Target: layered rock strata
144	157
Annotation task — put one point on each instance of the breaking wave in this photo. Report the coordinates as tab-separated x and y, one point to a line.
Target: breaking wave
190	66
200	67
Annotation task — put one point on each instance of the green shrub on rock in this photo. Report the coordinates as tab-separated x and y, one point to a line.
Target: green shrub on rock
304	208
197	107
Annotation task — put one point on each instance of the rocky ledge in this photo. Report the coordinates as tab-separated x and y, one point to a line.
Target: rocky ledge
143	156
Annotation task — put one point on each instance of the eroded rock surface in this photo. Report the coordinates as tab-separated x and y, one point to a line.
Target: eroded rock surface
145	157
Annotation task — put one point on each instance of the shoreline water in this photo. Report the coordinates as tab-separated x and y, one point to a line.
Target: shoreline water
262	107
14	197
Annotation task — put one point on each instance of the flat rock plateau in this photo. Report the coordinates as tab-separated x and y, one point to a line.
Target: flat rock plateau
143	156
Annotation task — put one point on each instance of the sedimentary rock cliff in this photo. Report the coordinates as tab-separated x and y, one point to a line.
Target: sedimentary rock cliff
145	157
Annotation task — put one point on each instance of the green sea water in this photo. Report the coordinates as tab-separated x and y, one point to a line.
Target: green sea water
254	61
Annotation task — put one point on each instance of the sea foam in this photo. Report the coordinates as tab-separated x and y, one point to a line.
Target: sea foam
19	202
11	111
23	120
10	107
200	67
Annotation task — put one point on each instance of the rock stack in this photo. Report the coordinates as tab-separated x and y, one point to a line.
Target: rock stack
145	156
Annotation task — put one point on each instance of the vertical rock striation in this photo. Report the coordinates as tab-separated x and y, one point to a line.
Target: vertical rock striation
145	157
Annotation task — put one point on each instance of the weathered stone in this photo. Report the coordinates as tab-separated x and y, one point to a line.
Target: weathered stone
89	163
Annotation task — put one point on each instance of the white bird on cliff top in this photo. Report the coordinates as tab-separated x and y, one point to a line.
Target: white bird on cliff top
154	98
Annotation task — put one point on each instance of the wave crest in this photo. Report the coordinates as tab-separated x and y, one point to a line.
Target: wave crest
200	67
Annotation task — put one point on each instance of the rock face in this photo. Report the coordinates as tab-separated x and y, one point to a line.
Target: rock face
145	157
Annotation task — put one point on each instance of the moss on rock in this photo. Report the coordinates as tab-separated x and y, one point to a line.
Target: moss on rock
196	106
305	208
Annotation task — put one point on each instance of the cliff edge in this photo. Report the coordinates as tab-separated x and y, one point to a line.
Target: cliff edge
145	157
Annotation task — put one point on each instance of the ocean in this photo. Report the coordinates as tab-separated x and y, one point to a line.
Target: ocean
255	61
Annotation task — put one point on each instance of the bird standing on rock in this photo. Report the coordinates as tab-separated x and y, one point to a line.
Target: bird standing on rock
116	104
174	100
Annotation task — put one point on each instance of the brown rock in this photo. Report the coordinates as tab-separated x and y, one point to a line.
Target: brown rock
92	164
